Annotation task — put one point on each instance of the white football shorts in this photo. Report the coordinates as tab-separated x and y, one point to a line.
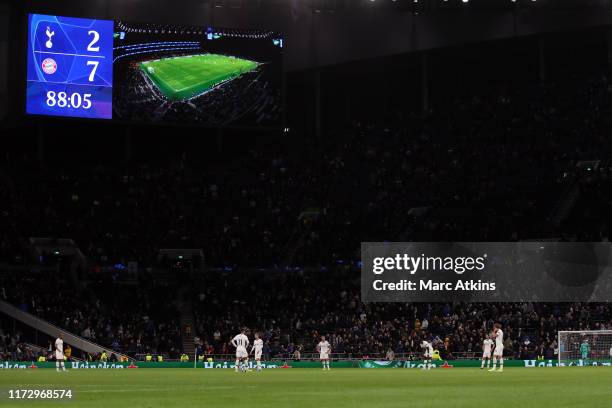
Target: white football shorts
241	352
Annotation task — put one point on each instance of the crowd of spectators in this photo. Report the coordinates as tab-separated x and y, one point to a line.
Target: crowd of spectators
293	309
129	319
14	349
490	166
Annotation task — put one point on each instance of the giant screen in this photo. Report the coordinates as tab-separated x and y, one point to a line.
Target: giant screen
105	69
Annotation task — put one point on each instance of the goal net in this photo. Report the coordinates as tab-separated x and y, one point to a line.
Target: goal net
585	347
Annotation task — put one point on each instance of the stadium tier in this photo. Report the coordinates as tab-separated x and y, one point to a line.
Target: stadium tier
181	78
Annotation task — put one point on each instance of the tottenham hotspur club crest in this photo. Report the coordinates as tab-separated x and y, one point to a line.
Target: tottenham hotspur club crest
49	66
50	34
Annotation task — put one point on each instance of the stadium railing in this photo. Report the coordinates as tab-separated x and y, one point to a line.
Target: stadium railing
50	329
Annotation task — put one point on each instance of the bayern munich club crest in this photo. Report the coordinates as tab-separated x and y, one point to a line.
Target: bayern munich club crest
49	66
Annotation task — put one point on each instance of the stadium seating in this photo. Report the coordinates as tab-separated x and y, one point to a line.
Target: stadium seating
452	174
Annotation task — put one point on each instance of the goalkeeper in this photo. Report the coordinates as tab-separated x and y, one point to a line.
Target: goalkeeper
585	349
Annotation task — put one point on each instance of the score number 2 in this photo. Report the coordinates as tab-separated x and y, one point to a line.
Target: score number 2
93	47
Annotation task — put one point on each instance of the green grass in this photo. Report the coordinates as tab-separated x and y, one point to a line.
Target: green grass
461	387
181	78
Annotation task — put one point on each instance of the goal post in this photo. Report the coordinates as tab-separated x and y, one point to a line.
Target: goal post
585	347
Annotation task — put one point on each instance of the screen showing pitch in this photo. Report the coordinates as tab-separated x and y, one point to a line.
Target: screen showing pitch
153	72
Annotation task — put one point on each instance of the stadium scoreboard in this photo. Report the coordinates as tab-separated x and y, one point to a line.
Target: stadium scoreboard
70	67
107	69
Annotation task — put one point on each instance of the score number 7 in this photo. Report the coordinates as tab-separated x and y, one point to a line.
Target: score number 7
92	74
95	48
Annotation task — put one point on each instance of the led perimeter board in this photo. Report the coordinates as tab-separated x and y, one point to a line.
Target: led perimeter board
104	69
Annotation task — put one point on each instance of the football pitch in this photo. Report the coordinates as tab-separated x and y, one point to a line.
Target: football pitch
181	78
460	387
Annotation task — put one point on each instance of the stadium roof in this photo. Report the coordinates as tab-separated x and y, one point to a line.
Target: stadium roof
417	5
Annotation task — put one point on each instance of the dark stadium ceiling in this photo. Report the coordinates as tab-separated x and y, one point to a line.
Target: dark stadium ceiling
420	6
327	32
417	5
403	5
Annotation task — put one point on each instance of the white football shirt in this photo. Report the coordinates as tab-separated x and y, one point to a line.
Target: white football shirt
258	345
499	339
324	347
241	340
427	345
487	344
59	345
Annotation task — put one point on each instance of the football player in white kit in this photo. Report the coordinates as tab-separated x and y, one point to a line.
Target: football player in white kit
241	341
498	353
427	353
324	349
487	345
257	349
59	353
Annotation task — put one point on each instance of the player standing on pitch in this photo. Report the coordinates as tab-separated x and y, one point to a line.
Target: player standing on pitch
257	349
59	353
585	349
324	349
487	344
241	341
427	353
498	353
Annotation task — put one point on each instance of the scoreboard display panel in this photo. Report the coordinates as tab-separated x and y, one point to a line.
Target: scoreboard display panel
70	67
112	69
